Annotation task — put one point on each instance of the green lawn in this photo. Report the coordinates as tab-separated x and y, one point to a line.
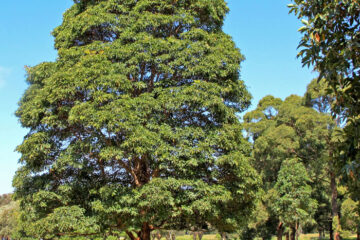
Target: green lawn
309	236
315	236
190	237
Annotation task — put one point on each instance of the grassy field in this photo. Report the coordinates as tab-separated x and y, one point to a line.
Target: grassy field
310	236
315	236
205	237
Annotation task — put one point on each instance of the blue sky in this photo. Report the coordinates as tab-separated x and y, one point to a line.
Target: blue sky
262	29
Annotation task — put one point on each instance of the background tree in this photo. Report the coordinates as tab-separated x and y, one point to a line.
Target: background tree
263	221
257	122
286	130
331	43
134	126
350	217
9	217
294	204
321	98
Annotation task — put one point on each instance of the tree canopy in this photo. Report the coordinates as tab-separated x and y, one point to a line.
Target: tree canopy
295	133
295	204
331	42
135	129
134	126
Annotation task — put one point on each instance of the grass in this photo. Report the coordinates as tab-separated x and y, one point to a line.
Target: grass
315	236
309	236
190	237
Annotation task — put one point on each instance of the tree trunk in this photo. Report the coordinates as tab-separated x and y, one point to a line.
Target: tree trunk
167	236
280	231
297	225
358	235
172	235
293	233
287	236
334	205
200	234
331	232
143	234
223	236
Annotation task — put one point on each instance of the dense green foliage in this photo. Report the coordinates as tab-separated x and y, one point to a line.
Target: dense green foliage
350	217
284	130
296	152
134	126
331	42
134	130
319	97
9	215
302	129
294	204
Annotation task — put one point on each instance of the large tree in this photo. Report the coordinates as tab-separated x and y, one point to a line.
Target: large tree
134	126
331	43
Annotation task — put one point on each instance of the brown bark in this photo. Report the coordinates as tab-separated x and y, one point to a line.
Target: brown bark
297	225
293	233
358	235
155	173
143	234
200	234
280	231
197	235
334	205
287	236
131	235
331	232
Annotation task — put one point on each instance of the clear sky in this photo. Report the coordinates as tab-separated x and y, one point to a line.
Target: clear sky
262	29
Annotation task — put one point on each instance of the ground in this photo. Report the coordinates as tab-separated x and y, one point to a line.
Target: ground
309	236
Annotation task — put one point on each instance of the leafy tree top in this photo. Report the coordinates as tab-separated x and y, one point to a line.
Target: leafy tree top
294	203
287	129
134	126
